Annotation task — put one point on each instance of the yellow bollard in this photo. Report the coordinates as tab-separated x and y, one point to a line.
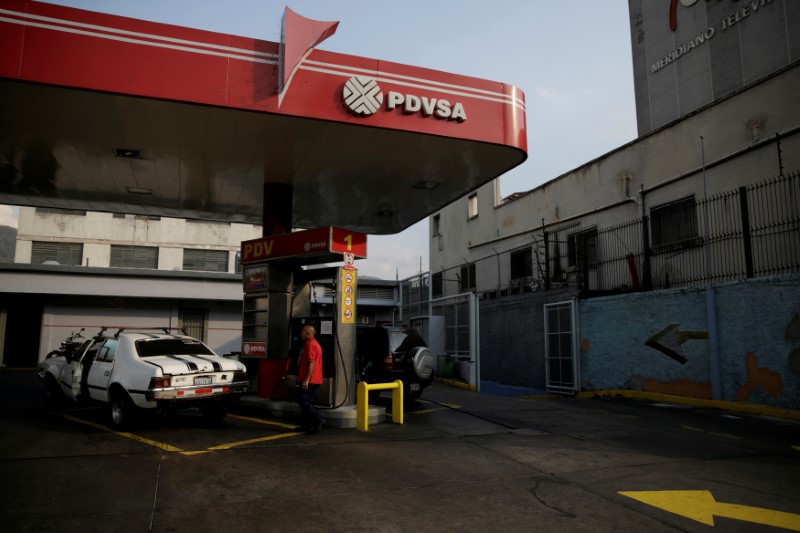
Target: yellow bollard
362	403
397	402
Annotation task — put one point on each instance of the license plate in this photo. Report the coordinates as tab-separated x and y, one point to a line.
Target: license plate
413	387
202	380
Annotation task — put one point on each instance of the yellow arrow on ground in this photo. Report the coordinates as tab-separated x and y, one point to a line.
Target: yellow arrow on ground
700	505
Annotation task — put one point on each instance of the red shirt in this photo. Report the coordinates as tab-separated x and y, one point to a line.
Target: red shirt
312	351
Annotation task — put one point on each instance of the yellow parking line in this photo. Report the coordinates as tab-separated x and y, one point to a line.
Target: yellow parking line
175	449
422	412
254	441
137	438
724	435
263	421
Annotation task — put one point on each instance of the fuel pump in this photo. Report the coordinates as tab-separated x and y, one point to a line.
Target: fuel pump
277	302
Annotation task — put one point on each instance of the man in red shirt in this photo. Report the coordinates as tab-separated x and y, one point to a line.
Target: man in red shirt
309	378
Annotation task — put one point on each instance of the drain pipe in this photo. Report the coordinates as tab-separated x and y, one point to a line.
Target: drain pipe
711	297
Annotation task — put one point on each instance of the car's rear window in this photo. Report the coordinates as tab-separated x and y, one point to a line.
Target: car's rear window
403	341
154	347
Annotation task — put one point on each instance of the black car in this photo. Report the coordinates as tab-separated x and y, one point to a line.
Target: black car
387	353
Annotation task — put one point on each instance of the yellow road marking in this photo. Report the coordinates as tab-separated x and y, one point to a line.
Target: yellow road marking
426	411
175	449
725	435
137	438
253	441
263	421
422	412
796	448
700	506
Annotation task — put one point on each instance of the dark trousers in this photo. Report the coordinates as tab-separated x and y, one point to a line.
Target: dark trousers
305	399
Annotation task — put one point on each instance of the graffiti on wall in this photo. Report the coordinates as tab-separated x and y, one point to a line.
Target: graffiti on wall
669	341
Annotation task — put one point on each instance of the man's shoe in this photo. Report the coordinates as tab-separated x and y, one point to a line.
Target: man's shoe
316	428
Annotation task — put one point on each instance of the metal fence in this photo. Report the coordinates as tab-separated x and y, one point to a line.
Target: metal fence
747	232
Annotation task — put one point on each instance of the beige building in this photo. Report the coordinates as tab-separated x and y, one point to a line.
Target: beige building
92	239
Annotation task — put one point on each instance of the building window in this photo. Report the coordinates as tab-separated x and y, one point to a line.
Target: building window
436	230
437	284
129	216
62	253
193	322
521	264
134	257
56	211
473	205
467	279
582	248
674	225
205	260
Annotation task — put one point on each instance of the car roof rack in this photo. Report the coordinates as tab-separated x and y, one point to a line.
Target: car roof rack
165	329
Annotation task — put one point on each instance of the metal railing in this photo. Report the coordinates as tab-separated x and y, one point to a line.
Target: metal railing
751	231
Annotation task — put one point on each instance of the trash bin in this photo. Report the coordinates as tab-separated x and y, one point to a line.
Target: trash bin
445	366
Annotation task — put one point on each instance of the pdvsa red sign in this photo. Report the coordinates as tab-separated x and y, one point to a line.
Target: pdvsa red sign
363	96
254	348
305	244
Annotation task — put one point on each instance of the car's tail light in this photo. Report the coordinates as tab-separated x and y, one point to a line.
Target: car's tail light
388	362
160	382
240	376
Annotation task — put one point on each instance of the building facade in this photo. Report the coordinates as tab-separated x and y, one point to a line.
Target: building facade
708	194
79	269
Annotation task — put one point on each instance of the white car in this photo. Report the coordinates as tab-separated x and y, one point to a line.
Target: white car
132	370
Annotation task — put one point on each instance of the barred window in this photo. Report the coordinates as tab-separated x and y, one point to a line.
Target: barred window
63	253
674	225
582	248
205	260
521	264
194	322
134	256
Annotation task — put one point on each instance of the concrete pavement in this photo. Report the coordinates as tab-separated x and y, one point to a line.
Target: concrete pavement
463	461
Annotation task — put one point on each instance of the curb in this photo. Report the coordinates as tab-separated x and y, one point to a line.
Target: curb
739	407
455	383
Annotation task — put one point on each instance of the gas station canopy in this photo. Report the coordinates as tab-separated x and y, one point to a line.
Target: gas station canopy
106	113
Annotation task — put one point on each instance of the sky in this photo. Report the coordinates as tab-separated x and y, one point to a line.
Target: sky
572	59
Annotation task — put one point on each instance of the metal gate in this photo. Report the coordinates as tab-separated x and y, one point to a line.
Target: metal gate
457	318
562	364
460	314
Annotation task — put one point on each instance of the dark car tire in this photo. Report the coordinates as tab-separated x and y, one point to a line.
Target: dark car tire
214	413
53	395
123	410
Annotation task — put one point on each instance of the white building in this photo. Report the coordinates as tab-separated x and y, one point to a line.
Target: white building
577	277
718	105
79	269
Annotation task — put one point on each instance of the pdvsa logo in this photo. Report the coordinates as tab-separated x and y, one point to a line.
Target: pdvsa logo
673	11
363	96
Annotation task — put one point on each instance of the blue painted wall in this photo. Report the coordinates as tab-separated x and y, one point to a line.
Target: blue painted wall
758	324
